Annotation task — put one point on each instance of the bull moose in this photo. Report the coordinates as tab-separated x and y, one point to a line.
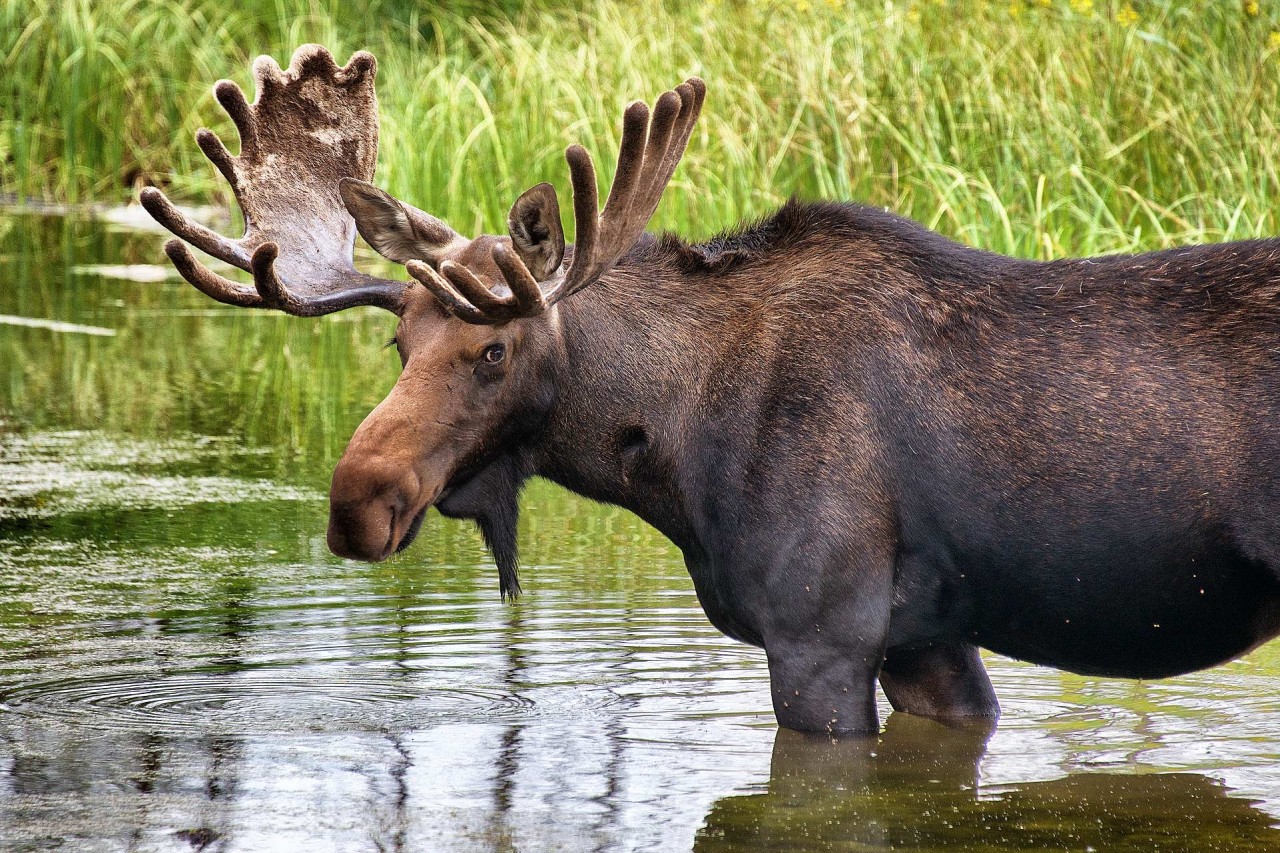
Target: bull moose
879	450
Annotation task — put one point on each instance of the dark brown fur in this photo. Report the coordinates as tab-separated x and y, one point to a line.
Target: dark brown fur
874	444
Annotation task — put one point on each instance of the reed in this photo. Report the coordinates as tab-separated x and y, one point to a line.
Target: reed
1037	128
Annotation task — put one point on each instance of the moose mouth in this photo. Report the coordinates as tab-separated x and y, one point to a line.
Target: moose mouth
347	520
412	532
401	530
415	526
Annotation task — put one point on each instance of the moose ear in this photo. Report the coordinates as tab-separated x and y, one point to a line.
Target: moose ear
397	231
534	225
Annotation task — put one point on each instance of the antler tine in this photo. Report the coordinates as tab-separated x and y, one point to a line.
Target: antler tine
651	149
524	287
231	98
471	300
665	114
208	282
631	155
273	291
444	292
692	94
217	153
473	289
210	242
586	202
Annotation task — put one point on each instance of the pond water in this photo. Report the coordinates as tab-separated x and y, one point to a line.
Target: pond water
184	666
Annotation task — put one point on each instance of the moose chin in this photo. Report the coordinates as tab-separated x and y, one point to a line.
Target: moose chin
879	450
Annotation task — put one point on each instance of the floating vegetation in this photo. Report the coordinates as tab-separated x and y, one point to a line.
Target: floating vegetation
45	475
56	326
127	272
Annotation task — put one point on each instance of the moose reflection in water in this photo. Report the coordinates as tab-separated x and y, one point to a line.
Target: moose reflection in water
917	787
204	670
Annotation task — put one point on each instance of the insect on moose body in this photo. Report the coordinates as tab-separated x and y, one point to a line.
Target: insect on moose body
879	450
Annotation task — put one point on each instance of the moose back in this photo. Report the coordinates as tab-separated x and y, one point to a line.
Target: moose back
878	450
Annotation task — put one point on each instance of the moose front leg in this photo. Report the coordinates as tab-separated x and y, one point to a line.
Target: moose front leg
825	648
824	687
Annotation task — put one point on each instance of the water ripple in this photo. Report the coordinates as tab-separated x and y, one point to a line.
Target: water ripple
261	701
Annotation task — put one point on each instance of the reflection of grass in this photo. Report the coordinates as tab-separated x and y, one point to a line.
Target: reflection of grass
1036	128
268	379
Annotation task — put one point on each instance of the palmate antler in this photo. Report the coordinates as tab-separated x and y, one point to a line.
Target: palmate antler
313	129
311	126
648	156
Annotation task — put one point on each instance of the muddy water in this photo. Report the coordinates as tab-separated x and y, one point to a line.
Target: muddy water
183	666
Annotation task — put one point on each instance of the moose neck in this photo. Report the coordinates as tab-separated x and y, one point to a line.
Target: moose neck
637	349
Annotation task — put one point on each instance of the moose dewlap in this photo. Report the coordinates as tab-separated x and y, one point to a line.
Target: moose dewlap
879	450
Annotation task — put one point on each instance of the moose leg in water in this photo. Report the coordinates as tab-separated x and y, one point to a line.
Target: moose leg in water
945	682
824	648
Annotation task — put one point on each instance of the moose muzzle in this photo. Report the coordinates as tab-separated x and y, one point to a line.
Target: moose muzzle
383	485
375	508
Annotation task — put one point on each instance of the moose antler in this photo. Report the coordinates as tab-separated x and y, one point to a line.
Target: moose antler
311	126
647	158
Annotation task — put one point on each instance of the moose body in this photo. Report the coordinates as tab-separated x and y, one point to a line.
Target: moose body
878	450
873	444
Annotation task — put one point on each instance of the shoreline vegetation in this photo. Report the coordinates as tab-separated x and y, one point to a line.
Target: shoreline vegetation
1030	129
1040	128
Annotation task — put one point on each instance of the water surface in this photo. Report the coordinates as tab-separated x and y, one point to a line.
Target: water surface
184	666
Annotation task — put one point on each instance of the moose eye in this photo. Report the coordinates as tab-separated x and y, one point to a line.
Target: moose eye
494	353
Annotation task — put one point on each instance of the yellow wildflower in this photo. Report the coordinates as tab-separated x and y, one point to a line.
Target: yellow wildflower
802	5
913	15
1252	9
1127	16
1273	40
835	4
1083	7
1015	8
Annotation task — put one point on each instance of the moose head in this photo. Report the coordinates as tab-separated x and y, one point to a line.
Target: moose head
479	331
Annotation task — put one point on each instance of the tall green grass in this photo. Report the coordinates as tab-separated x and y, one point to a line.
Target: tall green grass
1039	130
1035	127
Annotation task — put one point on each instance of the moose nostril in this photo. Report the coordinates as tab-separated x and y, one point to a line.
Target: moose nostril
361	531
337	540
368	524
